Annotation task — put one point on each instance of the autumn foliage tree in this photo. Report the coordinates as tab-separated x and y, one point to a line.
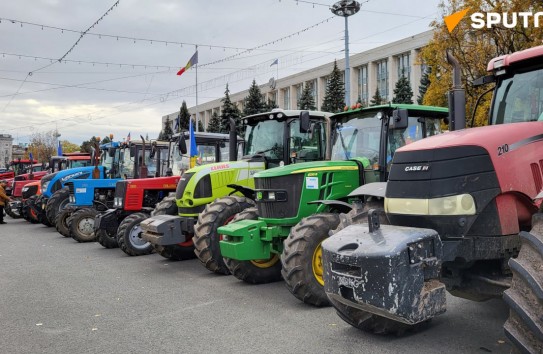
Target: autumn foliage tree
474	48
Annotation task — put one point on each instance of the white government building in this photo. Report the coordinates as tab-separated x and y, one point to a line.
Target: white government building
378	68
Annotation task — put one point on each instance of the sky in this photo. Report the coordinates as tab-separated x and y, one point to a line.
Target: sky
119	63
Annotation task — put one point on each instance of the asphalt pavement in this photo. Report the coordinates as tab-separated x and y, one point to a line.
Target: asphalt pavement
60	296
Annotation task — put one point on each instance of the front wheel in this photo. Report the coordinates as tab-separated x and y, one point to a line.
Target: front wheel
302	258
524	327
129	236
256	271
82	225
13	213
107	239
56	203
61	222
206	238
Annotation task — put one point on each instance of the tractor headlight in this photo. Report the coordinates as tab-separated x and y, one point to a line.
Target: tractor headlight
462	204
118	202
72	198
44	185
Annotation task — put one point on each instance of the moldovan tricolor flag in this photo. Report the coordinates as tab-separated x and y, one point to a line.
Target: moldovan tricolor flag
192	61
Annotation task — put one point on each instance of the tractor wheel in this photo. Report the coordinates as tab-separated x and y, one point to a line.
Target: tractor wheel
82	225
524	327
129	236
29	211
13	213
179	252
301	259
206	238
61	221
106	239
369	322
257	271
56	203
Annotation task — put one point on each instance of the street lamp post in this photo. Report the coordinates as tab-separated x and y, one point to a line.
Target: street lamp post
346	8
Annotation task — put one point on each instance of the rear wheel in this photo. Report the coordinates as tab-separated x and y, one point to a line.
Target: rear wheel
206	238
129	236
178	252
524	327
29	211
257	271
302	258
82	225
61	222
56	203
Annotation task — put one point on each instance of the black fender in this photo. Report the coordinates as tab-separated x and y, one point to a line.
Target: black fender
246	191
341	206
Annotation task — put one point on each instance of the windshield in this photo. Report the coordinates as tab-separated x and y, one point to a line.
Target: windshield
266	138
358	136
419	127
206	155
519	98
79	163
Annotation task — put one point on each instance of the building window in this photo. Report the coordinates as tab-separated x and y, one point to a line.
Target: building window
363	84
404	66
286	98
313	86
299	90
272	98
382	79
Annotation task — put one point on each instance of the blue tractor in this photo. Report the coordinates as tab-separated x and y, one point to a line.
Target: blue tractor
88	197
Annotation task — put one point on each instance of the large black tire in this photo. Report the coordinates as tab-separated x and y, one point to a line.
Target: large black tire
30	212
107	239
258	271
13	213
524	327
180	252
56	203
61	221
206	238
368	322
82	225
129	236
301	259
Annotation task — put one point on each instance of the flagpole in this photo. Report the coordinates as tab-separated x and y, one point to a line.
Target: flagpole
196	92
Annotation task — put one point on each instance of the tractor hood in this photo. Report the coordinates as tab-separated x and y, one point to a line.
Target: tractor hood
315	166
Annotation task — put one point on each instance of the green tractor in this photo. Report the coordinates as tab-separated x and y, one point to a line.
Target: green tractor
296	206
272	139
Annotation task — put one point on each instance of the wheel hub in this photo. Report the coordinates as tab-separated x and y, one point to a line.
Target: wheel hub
135	238
86	226
316	265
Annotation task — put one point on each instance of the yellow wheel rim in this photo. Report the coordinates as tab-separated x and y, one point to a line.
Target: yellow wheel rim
316	265
265	263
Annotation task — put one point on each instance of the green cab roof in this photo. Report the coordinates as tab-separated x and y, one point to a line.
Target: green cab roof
430	111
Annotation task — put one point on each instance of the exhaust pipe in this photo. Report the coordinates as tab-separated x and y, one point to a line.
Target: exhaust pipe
233	147
457	97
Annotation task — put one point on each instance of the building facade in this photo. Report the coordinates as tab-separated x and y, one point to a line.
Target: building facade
6	155
375	69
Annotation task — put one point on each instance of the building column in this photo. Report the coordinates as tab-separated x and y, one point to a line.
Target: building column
416	72
372	80
392	76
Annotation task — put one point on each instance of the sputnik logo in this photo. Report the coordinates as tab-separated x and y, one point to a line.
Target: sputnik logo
452	20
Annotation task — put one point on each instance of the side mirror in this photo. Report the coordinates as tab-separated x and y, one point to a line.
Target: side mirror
182	145
112	151
133	151
400	119
305	122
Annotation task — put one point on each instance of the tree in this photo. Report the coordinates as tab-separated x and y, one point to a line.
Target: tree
253	103
88	146
474	48
69	147
229	110
402	91
201	127
307	102
423	87
43	145
105	140
167	132
334	96
184	117
214	125
271	105
376	99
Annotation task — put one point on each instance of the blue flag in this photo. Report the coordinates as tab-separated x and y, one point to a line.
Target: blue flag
30	157
59	149
193	147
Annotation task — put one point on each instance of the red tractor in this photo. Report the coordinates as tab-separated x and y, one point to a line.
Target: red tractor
17	167
465	216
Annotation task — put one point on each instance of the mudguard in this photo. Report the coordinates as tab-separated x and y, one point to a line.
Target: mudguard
376	189
167	229
108	220
390	272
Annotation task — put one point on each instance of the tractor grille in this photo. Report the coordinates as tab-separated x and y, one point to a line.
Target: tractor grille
70	188
291	185
30	191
